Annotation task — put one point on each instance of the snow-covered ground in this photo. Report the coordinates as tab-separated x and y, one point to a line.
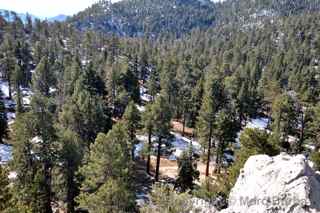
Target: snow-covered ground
4	88
144	96
5	150
141	108
181	144
5	153
256	123
178	142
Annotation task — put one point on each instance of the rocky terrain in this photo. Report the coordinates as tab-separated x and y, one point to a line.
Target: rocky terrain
283	183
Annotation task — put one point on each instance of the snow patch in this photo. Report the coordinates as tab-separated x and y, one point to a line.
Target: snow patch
5	153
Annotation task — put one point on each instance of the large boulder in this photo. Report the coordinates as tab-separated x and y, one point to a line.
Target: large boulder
279	184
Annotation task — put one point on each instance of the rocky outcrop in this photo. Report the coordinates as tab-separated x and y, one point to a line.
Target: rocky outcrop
282	184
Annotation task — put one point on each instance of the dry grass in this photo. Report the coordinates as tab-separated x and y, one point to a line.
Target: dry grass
169	168
178	127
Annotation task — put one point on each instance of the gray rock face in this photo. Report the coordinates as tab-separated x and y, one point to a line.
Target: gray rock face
281	184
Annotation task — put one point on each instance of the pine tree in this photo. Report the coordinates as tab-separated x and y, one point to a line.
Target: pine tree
5	194
18	79
225	132
313	126
188	172
168	83
285	120
131	119
25	162
44	128
3	122
186	81
213	100
161	121
107	173
153	84
85	112
70	157
253	142
8	60
147	120
165	199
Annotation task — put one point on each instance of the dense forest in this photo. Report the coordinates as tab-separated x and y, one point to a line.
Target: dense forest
78	96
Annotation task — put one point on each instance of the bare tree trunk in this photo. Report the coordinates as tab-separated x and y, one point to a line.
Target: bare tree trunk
209	152
47	187
9	87
158	160
301	132
184	124
149	151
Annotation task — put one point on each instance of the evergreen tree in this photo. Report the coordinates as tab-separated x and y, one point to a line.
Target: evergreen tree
42	110
8	60
107	173
153	84
313	126
70	157
164	199
212	102
18	79
225	132
161	125
25	162
147	120
253	142
5	193
188	172
85	113
131	119
186	82
285	120
3	122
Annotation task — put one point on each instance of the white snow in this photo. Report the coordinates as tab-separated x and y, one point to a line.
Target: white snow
138	148
144	95
10	117
181	144
26	100
52	90
12	175
5	153
36	140
141	108
4	88
258	123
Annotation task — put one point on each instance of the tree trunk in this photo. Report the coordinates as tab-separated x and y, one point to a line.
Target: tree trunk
132	138
71	193
158	159
219	155
149	151
184	123
301	133
209	152
47	187
9	87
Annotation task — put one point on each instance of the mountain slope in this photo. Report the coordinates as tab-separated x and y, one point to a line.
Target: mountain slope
58	18
10	15
140	17
136	17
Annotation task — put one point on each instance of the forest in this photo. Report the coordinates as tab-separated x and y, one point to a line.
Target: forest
132	119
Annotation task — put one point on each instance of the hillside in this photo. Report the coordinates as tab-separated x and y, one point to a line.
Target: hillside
153	17
108	111
137	17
